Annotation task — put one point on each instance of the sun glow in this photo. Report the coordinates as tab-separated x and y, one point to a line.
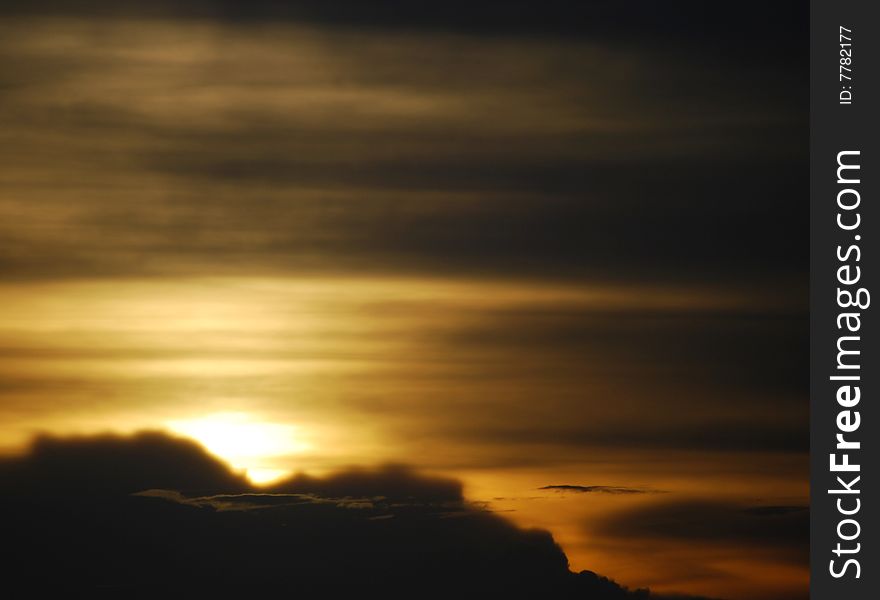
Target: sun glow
249	445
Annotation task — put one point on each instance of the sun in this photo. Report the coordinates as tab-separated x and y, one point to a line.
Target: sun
245	442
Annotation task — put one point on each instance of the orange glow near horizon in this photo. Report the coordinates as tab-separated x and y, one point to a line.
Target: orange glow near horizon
282	375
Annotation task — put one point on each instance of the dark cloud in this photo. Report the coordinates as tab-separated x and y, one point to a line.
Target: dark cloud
598	489
776	510
679	22
114	464
717	522
779	434
331	148
74	522
396	482
692	343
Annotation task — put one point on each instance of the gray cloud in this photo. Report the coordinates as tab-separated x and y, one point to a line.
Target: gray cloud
715	522
166	147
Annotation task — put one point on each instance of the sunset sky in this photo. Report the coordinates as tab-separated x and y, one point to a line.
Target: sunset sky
557	251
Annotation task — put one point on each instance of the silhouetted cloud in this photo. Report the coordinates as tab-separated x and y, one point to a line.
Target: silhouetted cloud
114	464
85	513
397	482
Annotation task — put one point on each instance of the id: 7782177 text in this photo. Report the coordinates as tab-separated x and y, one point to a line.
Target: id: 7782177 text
846	66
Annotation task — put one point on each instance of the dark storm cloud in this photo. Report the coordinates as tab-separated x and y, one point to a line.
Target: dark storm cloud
715	522
77	524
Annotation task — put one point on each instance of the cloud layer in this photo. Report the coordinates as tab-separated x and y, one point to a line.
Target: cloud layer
366	140
87	517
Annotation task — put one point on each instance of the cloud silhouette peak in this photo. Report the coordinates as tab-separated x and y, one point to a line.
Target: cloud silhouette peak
151	512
